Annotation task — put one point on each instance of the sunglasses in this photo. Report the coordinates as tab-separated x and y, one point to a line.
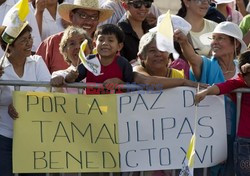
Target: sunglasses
138	4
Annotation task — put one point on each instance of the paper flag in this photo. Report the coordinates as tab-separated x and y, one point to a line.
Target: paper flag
165	35
93	65
15	21
188	169
191	151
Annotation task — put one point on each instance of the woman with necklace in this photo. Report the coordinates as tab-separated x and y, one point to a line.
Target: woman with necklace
152	61
226	44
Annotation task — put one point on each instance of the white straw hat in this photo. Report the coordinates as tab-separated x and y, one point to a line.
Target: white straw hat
65	8
177	22
227	28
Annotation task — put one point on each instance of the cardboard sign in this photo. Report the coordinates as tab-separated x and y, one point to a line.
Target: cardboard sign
115	133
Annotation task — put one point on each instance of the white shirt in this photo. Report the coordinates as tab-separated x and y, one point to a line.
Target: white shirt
6	6
50	26
34	70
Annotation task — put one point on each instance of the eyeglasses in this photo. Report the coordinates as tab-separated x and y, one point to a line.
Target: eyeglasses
202	1
138	4
85	16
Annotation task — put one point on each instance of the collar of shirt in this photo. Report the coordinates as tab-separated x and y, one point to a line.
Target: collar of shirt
6	62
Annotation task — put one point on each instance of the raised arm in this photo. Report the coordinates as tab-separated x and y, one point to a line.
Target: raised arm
194	59
39	9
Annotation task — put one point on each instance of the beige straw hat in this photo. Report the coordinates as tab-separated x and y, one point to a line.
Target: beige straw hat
65	8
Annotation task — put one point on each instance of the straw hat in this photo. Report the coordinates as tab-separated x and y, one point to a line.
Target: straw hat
65	8
227	28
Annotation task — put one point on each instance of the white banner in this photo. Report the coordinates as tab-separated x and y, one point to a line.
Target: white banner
155	129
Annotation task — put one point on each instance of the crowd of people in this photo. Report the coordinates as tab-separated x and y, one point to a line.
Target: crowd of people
213	42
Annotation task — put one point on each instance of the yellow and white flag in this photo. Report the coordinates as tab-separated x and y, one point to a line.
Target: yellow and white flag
188	169
15	21
93	65
165	35
191	151
188	165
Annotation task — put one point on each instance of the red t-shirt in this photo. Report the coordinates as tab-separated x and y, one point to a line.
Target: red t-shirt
119	68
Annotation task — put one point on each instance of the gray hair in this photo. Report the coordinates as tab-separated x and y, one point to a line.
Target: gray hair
146	39
68	33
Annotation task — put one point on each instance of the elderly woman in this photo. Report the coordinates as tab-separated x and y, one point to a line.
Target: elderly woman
18	64
152	61
226	44
153	68
69	47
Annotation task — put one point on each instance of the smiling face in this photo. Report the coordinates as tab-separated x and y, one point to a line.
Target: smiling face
197	7
22	46
137	14
72	48
155	60
222	45
86	19
107	46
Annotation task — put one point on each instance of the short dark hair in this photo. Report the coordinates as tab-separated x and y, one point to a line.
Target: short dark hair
27	28
244	58
108	29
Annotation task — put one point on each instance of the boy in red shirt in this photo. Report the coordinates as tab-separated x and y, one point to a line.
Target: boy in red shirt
115	69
